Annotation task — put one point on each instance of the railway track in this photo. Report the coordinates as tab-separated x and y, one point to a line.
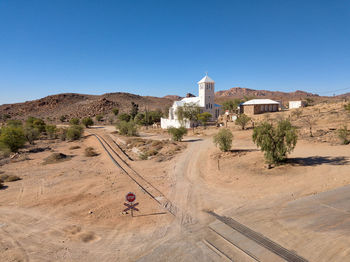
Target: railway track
120	159
263	241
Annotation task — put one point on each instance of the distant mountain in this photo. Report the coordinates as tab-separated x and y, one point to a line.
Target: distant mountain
80	105
239	92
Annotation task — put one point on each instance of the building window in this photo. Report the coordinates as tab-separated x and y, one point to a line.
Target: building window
262	108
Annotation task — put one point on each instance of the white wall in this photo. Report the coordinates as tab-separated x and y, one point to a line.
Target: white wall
166	123
296	104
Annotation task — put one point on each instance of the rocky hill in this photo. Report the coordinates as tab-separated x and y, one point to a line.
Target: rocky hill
78	105
239	92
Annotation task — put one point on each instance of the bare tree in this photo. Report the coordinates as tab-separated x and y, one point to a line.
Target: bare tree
310	121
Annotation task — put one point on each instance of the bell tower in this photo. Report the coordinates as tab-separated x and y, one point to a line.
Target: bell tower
206	92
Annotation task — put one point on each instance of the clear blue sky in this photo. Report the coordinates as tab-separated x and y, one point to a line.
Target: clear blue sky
164	47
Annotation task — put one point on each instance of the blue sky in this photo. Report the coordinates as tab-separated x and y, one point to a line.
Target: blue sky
164	47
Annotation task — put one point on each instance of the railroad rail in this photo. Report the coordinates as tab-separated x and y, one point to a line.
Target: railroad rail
260	239
111	148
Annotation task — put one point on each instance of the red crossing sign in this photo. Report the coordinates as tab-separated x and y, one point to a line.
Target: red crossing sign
130	197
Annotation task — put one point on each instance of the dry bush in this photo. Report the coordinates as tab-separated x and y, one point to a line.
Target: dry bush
9	178
90	152
56	158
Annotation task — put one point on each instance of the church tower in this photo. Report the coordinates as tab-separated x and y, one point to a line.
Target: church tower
206	88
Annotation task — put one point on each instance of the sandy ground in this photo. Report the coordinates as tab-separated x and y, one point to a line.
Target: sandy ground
72	211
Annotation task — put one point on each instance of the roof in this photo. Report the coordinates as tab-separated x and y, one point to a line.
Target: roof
260	102
187	100
206	79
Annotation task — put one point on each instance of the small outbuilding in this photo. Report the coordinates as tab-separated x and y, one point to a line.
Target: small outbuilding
296	104
259	106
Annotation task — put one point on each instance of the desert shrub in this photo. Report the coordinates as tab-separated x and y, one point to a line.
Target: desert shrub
99	118
87	122
297	113
51	131
115	111
275	141
124	117
347	107
223	139
143	156
12	137
90	152
177	133
74	132
74	121
344	135
56	158
62	133
31	133
152	152
9	178
63	118
14	123
242	120
39	124
127	128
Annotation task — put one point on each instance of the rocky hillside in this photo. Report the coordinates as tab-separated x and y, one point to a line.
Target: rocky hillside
78	105
239	92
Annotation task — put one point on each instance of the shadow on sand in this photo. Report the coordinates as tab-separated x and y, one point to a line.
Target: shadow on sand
318	160
243	150
3	187
193	140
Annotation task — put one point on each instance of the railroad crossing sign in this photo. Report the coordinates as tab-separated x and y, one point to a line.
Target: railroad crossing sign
130	198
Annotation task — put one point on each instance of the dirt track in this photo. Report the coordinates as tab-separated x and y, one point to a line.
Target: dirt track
72	211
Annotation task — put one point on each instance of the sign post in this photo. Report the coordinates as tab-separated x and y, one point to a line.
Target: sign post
130	198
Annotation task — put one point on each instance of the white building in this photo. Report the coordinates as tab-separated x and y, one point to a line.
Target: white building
205	101
296	104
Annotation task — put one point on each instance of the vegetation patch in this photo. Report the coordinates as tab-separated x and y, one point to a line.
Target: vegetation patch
9	178
56	158
160	150
90	152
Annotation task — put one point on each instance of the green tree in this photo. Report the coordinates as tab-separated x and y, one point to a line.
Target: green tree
12	137
223	139
31	133
115	111
189	111
204	118
87	122
242	120
74	121
177	133
231	105
51	131
275	141
124	117
134	110
140	119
